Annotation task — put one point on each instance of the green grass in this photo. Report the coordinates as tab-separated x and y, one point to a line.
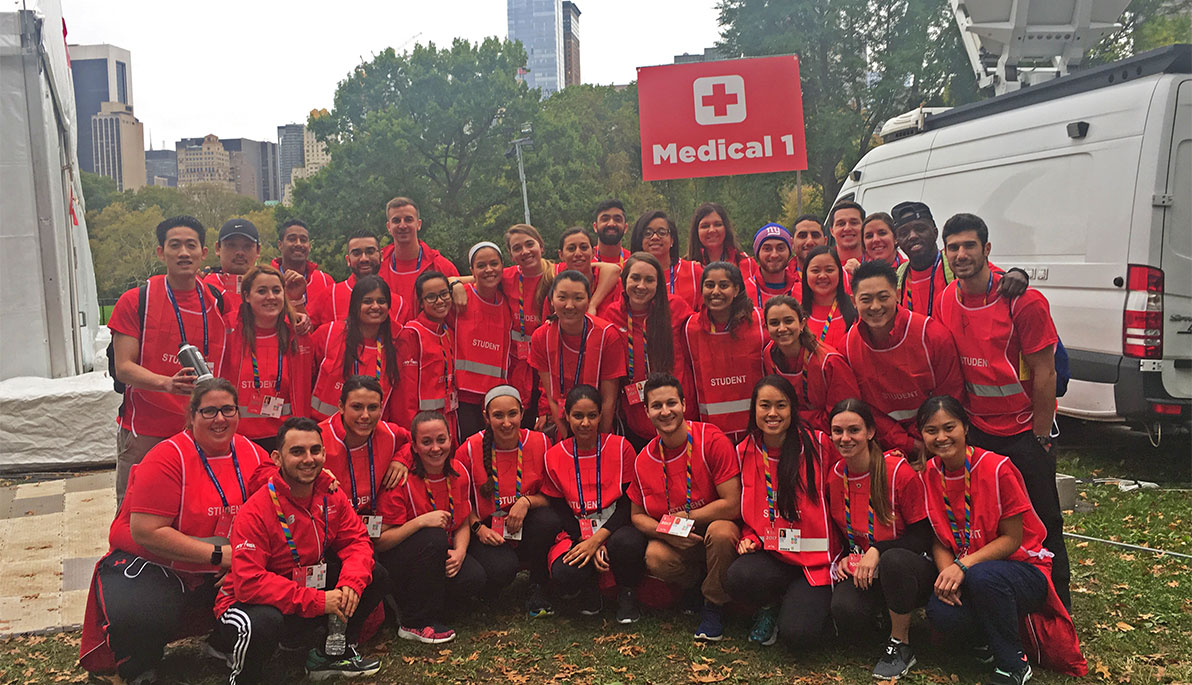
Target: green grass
1133	612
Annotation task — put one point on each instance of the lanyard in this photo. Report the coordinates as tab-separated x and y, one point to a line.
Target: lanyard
579	364
848	513
450	498
579	483
968	505
806	364
285	527
906	288
178	314
444	343
497	482
256	372
769	481
372	476
629	339
666	475
417	265
215	482
673	268
521	303
831	313
356	363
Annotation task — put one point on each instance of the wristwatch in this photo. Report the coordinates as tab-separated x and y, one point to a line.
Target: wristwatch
217	556
475	527
1044	442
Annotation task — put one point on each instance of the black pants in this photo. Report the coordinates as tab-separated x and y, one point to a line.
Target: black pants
761	579
146	606
1038	473
904	583
419	579
993	597
626	559
250	633
470	417
539	530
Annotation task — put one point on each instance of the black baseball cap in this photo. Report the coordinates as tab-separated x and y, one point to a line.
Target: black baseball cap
242	227
903	213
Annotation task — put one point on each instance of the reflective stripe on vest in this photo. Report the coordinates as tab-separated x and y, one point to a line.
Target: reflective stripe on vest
431	405
286	410
813	544
516	335
1008	390
729	407
903	414
321	406
480	368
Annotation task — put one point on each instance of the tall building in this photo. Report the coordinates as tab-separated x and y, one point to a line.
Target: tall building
289	150
316	156
161	167
247	167
204	160
538	24
118	145
102	76
570	44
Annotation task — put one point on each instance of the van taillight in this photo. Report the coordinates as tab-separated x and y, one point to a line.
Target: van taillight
1142	321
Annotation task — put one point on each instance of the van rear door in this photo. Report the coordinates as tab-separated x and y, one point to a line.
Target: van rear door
1176	259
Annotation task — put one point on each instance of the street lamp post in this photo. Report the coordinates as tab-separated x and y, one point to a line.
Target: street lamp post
515	148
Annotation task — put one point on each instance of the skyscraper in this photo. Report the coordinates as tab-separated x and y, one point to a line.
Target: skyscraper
118	145
248	167
570	44
161	167
538	24
102	76
289	150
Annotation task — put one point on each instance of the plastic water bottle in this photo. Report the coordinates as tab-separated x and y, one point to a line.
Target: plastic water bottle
337	641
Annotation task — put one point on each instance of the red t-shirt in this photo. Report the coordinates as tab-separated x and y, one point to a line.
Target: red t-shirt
599	494
432	493
386	440
505	463
827	324
907	501
603	358
662	488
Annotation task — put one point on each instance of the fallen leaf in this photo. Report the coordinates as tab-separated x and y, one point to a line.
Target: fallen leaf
1101	670
631	650
1124	627
1082	544
1127	557
1174	583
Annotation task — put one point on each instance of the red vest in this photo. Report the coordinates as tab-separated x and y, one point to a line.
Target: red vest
755	286
561	362
330	339
821	380
146	410
726	366
614	297
317	281
906	501
819	539
616	459
332	305
432	493
482	345
297	369
401	275
426	352
387	439
524	318
504	462
989	348
683	279
896	380
827	324
228	286
660	487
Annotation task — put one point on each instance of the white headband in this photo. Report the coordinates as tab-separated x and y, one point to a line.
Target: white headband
479	246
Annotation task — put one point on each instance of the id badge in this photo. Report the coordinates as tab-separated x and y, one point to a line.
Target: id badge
314	576
675	525
588	527
770	540
373	525
635	392
521	349
499	528
255	401
788	540
223	527
854	560
271	406
451	402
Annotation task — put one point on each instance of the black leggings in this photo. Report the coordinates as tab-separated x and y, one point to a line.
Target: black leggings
249	633
762	579
904	583
419	579
626	560
146	606
501	563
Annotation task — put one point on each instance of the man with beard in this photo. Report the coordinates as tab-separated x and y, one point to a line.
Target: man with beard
772	253
922	279
808	234
294	244
610	226
364	259
1007	356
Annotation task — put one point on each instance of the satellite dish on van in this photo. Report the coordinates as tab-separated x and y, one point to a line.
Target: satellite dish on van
1011	43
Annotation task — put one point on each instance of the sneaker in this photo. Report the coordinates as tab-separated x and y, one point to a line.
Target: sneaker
431	635
983	654
539	604
896	662
216	653
711	625
627	609
1002	677
591	602
350	665
765	626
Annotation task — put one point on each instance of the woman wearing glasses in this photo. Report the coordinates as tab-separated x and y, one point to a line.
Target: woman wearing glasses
655	233
169	542
426	349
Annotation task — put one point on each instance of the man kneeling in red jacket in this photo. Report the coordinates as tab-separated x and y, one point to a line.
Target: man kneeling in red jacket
290	540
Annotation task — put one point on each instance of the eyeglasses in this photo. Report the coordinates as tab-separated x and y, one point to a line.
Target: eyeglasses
656	233
432	297
228	410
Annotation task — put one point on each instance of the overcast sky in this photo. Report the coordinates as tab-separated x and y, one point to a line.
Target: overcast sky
241	69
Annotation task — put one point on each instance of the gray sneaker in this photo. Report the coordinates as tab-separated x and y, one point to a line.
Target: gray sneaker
896	662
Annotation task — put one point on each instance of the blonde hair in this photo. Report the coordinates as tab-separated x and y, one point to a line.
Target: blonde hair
546	283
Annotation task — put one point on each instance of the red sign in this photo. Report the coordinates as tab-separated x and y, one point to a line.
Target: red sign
741	116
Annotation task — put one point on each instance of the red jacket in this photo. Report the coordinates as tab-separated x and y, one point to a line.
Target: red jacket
821	380
316	281
262	565
401	275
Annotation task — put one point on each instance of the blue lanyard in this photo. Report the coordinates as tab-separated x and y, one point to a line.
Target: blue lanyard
178	314
672	278
372	475
579	482
417	265
579	364
256	374
215	481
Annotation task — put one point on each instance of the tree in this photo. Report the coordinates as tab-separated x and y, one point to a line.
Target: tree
430	124
860	63
98	191
1146	25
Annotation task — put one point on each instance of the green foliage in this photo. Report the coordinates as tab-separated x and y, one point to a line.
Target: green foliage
1146	25
860	63
98	191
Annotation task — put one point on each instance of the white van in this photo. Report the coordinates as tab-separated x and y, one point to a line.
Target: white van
1086	183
